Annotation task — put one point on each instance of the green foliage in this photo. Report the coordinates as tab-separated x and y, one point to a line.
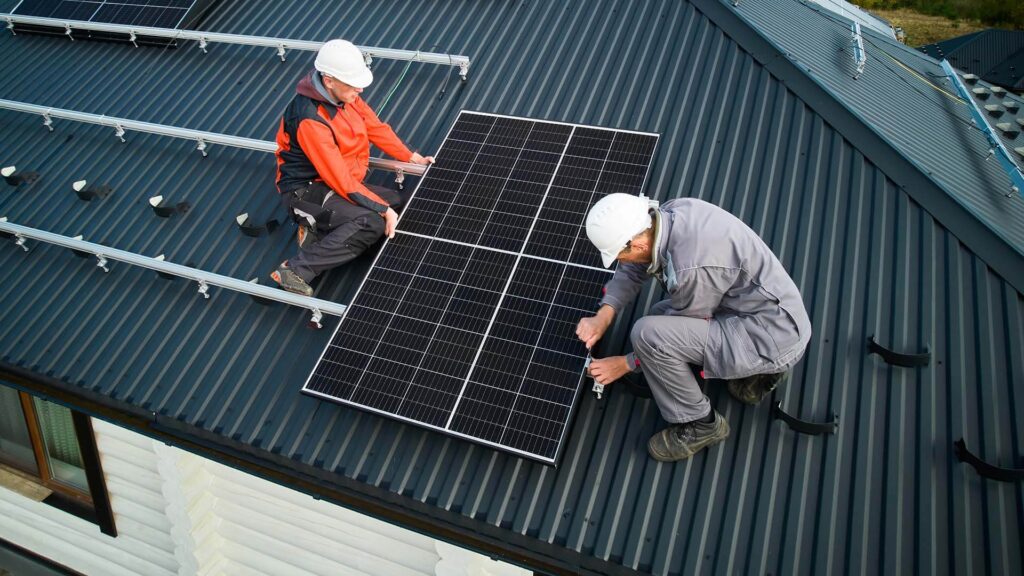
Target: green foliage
999	13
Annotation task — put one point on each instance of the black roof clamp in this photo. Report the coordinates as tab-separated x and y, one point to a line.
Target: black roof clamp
165	210
985	469
16	178
255	230
897	359
87	193
803	426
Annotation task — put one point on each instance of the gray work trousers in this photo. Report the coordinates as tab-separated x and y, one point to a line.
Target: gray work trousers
351	230
666	343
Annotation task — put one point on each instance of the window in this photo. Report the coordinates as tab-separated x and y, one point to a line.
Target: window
53	447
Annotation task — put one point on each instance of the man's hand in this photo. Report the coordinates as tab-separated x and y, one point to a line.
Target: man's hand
604	371
417	158
590	330
390	221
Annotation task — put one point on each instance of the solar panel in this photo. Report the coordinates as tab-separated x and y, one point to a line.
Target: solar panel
153	13
466	321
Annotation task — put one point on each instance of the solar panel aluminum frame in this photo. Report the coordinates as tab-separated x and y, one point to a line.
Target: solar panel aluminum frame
573	406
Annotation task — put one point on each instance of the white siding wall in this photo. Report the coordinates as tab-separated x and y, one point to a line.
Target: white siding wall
179	514
143	544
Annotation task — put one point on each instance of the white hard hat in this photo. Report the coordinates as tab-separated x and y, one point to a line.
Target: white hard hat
614	220
342	60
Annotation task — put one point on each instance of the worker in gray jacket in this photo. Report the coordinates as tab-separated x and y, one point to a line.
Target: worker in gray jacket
732	309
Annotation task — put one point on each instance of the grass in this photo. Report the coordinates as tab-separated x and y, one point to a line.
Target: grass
924	29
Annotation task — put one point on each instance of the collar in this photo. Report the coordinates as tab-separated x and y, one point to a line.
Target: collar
659	241
318	85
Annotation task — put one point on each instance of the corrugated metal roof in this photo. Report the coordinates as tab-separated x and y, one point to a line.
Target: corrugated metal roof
997	56
739	128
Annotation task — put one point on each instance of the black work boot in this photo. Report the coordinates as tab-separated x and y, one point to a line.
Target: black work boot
680	441
752	389
291	281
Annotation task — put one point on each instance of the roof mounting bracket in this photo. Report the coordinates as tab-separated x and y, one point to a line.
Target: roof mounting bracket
367	59
201	147
132	38
165	210
67	31
1013	171
893	358
255	230
89	193
101	261
859	56
984	469
464	71
47	121
203	44
803	426
119	132
204	289
400	179
315	320
10	26
80	253
21	241
280	52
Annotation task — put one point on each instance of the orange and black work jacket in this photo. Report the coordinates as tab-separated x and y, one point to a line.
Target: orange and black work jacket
320	140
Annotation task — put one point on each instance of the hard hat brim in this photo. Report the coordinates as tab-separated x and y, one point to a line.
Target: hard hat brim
609	260
361	80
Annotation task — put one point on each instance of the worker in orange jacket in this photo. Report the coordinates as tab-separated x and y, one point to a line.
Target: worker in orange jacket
323	154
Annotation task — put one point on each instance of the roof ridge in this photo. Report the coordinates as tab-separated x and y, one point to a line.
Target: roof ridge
995	250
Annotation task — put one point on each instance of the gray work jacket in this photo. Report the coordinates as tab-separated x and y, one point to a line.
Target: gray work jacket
713	266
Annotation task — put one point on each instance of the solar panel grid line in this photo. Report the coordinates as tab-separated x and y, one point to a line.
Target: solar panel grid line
502	251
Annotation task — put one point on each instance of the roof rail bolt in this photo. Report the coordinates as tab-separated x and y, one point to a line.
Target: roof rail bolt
201	146
204	289
101	261
463	70
132	38
203	44
280	52
21	241
119	132
67	32
400	179
47	121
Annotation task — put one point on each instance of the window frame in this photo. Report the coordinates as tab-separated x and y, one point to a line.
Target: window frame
92	505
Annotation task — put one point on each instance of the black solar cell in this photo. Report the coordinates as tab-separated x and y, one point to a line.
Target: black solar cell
466	322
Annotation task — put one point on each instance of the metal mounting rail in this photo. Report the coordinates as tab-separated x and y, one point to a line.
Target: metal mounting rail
202	139
1000	151
204	279
205	38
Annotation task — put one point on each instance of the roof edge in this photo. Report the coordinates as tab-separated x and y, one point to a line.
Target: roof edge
991	248
489	540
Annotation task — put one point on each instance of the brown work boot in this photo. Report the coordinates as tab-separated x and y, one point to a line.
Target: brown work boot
752	389
286	278
680	441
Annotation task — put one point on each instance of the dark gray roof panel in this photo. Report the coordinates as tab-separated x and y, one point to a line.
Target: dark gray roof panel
904	96
997	56
885	494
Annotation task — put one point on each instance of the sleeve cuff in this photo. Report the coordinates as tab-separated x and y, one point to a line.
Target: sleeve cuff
634	363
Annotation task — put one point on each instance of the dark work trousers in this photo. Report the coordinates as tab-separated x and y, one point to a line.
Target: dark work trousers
351	230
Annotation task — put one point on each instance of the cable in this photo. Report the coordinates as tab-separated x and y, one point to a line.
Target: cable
395	87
